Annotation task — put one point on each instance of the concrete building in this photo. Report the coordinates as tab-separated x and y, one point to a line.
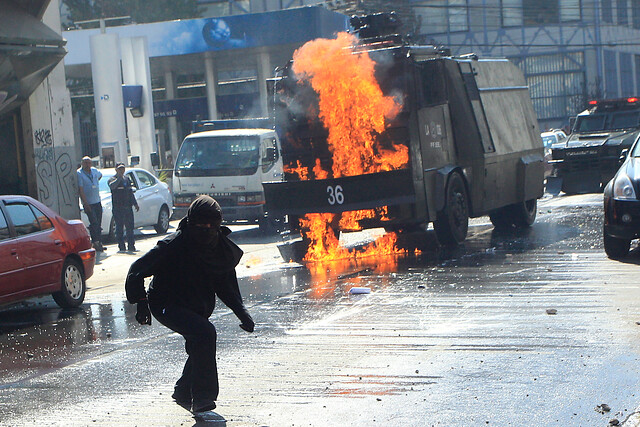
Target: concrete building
206	68
39	156
569	50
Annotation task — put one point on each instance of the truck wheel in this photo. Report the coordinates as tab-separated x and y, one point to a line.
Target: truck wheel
163	221
615	248
452	222
72	285
524	214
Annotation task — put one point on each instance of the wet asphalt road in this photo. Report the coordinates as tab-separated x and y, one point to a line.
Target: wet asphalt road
457	338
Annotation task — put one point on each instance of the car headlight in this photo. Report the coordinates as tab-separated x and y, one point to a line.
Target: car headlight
623	188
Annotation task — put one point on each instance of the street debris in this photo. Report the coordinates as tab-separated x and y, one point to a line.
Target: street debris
603	408
359	290
552	311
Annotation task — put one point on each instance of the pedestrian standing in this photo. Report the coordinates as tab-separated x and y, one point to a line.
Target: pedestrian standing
189	268
89	192
123	201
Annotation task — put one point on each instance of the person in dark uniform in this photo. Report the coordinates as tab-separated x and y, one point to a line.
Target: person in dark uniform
123	201
189	268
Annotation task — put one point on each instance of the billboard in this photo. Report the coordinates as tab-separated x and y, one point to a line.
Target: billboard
215	34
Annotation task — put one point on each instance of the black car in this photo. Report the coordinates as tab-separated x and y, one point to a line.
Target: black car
622	206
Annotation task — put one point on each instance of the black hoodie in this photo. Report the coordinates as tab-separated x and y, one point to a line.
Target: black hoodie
183	277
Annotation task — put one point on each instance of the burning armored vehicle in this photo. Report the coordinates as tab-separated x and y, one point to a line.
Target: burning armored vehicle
379	133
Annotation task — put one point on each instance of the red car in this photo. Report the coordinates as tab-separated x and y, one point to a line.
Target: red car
42	253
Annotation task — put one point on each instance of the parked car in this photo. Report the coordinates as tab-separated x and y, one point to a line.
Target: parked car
42	253
622	205
551	139
153	197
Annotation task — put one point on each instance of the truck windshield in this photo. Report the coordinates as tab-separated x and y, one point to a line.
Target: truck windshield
609	121
219	156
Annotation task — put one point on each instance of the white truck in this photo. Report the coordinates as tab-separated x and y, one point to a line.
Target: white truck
229	160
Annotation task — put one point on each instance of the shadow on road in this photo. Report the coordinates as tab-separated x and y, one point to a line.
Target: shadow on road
209	418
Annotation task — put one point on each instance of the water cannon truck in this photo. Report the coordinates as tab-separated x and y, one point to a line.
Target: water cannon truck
466	124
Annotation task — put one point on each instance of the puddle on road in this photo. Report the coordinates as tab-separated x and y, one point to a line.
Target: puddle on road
40	336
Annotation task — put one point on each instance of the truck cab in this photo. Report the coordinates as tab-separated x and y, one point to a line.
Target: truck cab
230	165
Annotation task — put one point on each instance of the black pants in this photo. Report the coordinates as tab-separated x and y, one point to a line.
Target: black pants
199	378
95	222
123	218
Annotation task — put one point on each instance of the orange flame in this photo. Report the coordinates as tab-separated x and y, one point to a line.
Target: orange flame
352	106
299	170
319	172
354	110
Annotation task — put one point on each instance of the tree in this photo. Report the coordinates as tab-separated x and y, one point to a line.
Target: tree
140	11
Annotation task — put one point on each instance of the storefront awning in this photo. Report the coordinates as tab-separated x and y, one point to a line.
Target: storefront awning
29	50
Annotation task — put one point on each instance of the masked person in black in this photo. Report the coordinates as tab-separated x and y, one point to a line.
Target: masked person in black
189	268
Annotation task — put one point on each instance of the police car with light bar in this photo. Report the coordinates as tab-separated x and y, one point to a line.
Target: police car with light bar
589	159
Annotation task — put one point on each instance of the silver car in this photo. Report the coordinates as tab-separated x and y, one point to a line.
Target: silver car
153	197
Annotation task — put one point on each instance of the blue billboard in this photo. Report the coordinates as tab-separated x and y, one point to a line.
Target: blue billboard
224	33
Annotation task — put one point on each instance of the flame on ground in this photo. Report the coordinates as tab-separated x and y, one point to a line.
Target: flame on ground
354	111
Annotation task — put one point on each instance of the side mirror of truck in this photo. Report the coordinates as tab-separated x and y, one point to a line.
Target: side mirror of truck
155	159
623	155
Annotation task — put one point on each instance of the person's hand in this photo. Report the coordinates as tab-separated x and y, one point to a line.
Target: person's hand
87	208
137	208
247	324
143	315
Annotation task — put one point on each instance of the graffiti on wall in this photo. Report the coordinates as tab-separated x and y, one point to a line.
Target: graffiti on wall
55	174
42	138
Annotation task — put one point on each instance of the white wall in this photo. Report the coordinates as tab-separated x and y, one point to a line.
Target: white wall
48	135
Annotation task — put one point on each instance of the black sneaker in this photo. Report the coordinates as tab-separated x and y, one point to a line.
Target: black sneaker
132	249
203	406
